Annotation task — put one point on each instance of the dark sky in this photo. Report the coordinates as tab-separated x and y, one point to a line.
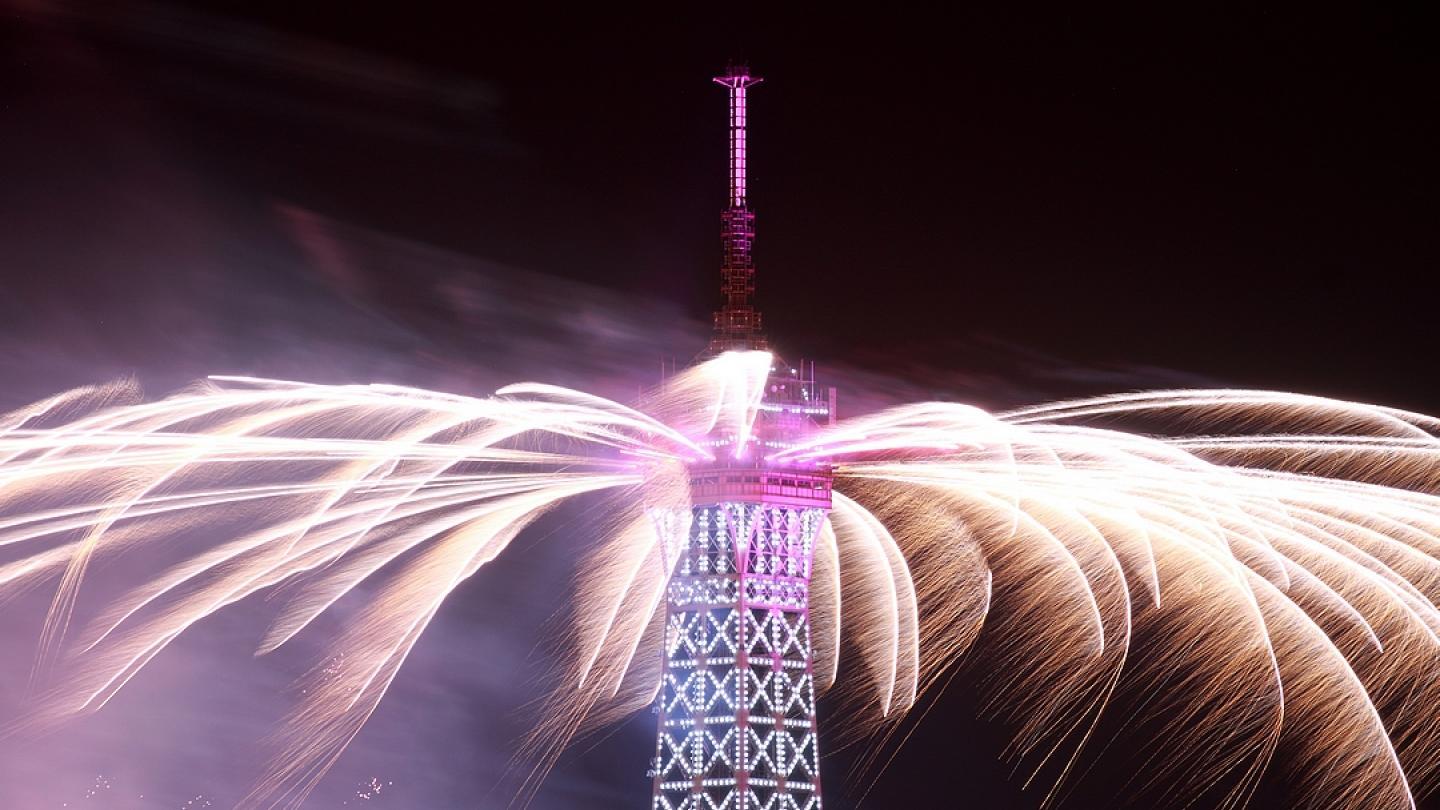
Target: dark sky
1249	196
994	207
1244	196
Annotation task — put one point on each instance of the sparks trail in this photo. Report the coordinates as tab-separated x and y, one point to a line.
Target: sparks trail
1299	608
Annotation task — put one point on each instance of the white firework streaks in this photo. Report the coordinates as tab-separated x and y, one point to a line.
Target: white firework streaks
1251	578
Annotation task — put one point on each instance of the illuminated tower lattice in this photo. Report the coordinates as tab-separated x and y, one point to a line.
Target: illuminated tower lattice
737	704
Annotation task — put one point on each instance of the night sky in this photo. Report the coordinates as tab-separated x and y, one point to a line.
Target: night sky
997	209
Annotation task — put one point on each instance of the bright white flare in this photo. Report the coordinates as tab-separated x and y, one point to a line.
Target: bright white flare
1256	574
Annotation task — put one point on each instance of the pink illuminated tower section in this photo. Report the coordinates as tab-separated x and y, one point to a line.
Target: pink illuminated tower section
737	726
737	323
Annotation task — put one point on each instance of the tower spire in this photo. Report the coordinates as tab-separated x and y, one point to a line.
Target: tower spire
737	322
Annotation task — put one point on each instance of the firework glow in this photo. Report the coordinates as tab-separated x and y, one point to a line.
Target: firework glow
1265	565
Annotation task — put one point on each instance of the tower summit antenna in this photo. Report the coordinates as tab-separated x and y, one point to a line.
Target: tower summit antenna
737	323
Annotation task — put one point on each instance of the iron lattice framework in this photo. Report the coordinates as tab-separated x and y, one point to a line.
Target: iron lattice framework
737	704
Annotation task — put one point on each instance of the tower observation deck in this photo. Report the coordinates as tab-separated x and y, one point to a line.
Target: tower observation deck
737	722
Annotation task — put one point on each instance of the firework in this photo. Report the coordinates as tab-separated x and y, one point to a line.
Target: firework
1262	568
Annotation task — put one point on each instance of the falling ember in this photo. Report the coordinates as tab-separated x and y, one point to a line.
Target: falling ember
370	789
100	787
